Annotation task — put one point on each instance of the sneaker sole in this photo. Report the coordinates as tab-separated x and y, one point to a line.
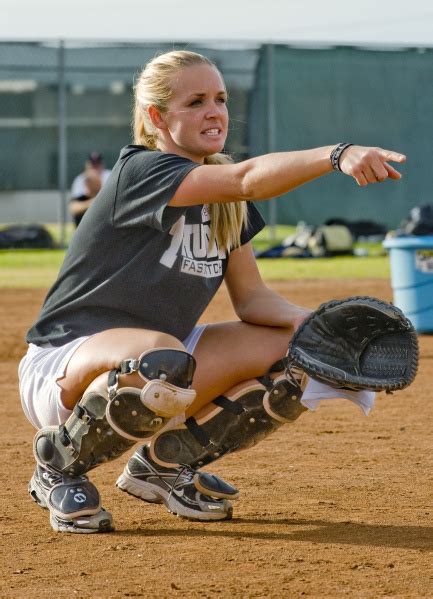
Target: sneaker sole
96	523
153	494
137	489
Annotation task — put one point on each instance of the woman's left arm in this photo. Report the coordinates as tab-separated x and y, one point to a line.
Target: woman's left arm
252	300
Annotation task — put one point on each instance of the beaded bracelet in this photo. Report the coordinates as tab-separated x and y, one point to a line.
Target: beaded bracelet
336	155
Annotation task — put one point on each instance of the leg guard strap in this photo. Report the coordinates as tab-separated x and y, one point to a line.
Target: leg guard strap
238	420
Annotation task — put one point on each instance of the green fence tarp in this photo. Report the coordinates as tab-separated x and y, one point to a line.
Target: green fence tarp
368	97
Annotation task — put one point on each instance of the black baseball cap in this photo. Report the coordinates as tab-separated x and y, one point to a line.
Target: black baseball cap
96	158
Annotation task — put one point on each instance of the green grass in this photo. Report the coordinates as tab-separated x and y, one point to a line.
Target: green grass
344	267
29	268
39	268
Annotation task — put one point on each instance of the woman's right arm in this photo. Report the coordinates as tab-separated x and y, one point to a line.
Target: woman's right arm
272	175
76	207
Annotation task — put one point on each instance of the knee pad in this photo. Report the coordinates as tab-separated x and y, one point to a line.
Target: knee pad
238	420
167	373
103	425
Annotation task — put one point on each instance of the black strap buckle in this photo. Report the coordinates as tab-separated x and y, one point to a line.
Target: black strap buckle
288	373
127	366
199	434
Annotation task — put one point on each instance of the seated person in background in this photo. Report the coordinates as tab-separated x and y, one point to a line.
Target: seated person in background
86	186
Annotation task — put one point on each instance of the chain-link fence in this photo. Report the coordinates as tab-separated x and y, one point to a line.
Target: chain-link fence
60	101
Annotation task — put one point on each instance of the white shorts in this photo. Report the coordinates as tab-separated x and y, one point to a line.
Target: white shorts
41	368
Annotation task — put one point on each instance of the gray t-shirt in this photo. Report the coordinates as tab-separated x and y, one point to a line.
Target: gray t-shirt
134	261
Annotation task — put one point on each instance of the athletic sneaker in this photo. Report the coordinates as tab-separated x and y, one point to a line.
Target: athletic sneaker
74	503
184	491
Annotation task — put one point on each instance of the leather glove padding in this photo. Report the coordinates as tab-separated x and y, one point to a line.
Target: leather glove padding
357	343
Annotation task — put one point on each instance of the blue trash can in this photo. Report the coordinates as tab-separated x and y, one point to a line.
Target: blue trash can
411	261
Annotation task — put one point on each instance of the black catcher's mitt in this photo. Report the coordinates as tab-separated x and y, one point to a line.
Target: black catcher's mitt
357	343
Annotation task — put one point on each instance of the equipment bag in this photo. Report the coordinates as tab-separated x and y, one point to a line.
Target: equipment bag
331	240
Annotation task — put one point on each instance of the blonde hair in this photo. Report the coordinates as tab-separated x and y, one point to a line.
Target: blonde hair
154	88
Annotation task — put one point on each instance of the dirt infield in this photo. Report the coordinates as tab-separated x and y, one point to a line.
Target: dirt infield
336	504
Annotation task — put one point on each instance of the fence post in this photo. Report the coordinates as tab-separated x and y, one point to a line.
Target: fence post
271	132
62	144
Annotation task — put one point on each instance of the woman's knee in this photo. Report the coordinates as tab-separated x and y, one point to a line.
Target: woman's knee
243	343
229	353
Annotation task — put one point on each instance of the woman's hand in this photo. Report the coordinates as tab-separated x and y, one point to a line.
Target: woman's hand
299	315
370	165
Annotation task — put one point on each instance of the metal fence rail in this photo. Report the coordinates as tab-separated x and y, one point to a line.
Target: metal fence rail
60	101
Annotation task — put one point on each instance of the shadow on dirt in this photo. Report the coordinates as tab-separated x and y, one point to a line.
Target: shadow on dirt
313	531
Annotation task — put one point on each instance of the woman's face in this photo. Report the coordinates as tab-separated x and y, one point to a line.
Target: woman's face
197	118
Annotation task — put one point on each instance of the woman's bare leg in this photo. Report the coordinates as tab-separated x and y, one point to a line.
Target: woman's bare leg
229	353
105	351
226	354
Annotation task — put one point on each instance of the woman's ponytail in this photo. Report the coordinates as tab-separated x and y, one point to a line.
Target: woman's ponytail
141	136
228	219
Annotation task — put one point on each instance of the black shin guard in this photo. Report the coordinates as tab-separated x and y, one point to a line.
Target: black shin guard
83	442
104	425
240	419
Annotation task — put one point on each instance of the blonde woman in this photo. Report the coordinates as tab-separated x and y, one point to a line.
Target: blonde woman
116	356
